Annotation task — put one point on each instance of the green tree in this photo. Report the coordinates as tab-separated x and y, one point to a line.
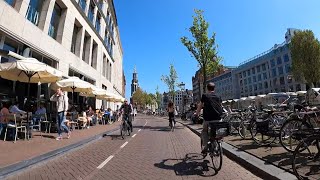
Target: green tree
138	97
171	80
202	47
158	97
305	54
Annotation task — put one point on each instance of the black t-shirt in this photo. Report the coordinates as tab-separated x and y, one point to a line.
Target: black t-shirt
126	108
209	108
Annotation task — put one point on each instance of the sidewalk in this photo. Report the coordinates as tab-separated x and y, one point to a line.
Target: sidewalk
24	153
271	163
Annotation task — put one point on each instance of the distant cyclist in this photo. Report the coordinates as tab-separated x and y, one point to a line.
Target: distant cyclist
212	111
126	110
170	110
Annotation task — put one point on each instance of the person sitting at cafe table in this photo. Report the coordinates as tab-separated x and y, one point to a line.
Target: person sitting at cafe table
4	121
15	109
40	111
90	116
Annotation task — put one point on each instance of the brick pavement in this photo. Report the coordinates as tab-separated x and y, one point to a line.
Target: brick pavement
154	153
23	150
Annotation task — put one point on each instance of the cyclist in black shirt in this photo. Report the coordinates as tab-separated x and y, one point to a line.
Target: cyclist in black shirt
212	111
126	110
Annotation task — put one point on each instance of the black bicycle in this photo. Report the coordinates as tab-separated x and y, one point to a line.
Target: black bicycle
124	127
217	130
306	157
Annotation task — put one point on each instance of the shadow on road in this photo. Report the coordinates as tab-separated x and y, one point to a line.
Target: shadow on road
113	136
192	164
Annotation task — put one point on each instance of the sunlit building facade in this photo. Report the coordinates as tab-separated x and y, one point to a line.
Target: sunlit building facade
78	37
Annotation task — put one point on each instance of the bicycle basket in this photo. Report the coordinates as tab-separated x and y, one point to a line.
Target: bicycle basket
262	126
219	129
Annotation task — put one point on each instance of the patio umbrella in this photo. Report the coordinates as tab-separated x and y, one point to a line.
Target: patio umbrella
74	84
29	70
98	93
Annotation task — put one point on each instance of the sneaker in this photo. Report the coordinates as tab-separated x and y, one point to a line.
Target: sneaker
68	136
58	138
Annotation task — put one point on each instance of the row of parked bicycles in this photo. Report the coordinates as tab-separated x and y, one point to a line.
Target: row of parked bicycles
297	130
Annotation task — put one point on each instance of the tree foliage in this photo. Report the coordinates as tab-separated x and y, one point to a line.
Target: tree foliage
305	54
143	98
202	47
171	80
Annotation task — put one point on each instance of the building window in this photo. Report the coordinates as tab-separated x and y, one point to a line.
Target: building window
298	87
240	75
274	72
259	77
280	70
54	23
91	12
275	81
265	76
253	71
266	85
258	69
282	82
74	38
9	46
249	80
245	81
279	60
286	58
33	12
11	2
98	25
248	72
260	86
263	67
255	87
288	68
254	79
273	63
83	5
244	73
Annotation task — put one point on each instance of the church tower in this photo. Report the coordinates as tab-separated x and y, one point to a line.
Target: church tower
134	83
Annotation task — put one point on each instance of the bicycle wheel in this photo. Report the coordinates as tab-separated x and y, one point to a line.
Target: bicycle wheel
234	124
260	138
306	158
215	152
244	130
287	139
122	131
128	129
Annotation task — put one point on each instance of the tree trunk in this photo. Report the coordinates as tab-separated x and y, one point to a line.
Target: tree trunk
204	83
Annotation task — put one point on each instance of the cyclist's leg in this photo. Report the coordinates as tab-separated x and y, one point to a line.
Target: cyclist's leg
205	136
130	122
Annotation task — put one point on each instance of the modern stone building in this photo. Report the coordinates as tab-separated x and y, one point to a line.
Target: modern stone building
265	73
78	37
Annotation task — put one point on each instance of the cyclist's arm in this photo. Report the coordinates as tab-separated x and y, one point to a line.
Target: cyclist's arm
200	105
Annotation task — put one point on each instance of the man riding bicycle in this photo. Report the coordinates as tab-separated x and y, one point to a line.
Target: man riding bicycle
212	111
126	110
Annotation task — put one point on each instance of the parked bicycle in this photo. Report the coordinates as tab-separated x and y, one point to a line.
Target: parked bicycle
306	156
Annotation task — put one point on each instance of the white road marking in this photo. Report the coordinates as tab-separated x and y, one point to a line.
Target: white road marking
145	124
139	130
105	162
123	145
134	135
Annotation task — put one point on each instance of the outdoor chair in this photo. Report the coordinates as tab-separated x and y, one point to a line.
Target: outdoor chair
46	122
82	121
39	119
15	126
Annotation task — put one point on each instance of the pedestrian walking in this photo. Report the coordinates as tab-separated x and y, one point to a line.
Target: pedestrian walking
61	100
171	111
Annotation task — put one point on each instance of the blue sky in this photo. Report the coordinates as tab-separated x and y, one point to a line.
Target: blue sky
150	32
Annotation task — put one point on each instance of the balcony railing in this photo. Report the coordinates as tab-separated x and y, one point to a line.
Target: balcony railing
33	15
82	4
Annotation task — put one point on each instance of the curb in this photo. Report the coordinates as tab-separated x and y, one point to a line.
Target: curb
255	165
17	167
